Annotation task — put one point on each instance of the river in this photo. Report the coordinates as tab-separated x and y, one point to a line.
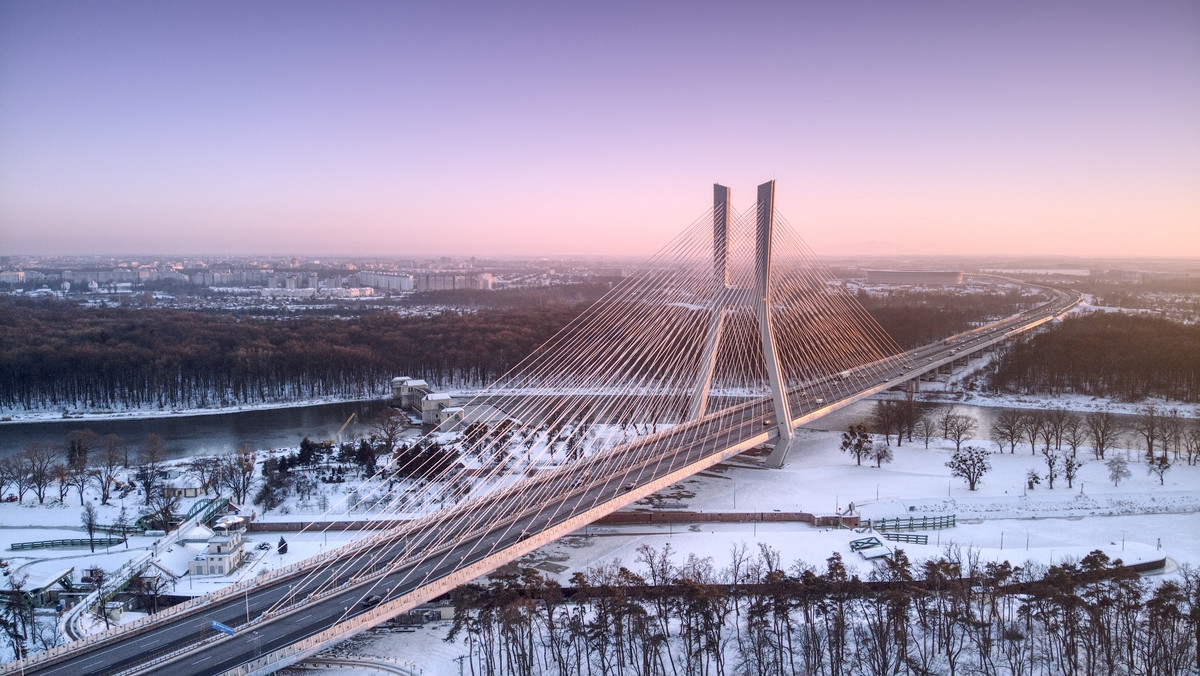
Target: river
188	435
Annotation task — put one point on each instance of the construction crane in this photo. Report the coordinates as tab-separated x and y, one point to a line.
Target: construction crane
337	438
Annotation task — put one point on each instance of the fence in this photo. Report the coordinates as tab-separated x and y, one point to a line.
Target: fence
76	542
911	523
908	538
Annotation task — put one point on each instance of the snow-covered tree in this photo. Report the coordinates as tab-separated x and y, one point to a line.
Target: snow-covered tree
1158	467
880	454
857	442
970	463
1118	469
1071	465
1053	465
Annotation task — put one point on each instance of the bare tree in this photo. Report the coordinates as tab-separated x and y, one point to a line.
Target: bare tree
387	428
38	459
207	469
62	478
1032	426
1104	432
926	427
14	470
122	525
151	461
958	428
148	589
1149	426
49	633
80	476
1191	443
1074	434
163	508
886	417
237	472
9	468
1057	421
970	463
90	519
103	468
99	577
1172	431
113	443
1007	429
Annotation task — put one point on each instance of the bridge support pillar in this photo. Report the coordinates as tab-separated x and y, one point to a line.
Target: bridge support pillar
708	362
783	413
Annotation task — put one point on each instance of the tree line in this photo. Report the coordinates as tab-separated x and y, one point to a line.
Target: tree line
914	318
951	614
59	355
1129	357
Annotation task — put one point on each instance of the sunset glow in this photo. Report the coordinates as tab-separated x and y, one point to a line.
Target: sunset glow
599	128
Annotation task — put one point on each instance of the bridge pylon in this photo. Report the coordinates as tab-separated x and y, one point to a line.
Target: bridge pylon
758	298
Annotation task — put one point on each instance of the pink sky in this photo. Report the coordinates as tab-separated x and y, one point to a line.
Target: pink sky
598	128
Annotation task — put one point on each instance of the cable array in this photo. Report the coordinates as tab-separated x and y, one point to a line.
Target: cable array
608	399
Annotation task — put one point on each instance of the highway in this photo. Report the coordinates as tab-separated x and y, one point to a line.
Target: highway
509	521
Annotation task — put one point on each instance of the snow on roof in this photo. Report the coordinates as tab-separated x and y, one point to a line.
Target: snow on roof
452	409
183	481
438	397
418	383
176	559
42	582
198	533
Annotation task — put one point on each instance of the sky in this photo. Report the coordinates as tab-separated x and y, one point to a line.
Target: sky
405	128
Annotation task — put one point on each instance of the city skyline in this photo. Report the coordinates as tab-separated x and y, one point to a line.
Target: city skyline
373	128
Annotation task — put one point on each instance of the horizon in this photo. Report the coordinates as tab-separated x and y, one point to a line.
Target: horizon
1065	129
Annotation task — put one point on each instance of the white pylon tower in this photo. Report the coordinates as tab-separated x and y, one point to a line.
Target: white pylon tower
758	298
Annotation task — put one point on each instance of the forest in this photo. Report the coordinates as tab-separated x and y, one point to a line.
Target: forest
1129	357
57	355
916	318
760	616
62	355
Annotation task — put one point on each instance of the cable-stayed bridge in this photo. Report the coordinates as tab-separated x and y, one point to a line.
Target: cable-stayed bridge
728	338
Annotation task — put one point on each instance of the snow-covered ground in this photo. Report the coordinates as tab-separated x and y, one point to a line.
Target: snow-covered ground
1137	521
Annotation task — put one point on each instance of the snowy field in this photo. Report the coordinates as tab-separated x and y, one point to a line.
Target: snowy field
1137	521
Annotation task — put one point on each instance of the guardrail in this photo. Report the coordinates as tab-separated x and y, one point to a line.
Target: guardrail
69	542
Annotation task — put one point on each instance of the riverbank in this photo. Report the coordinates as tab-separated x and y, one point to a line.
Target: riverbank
1077	403
15	418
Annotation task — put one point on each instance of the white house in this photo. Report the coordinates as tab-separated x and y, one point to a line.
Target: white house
431	407
182	485
225	553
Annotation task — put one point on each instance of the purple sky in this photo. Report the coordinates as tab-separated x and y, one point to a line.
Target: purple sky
575	128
